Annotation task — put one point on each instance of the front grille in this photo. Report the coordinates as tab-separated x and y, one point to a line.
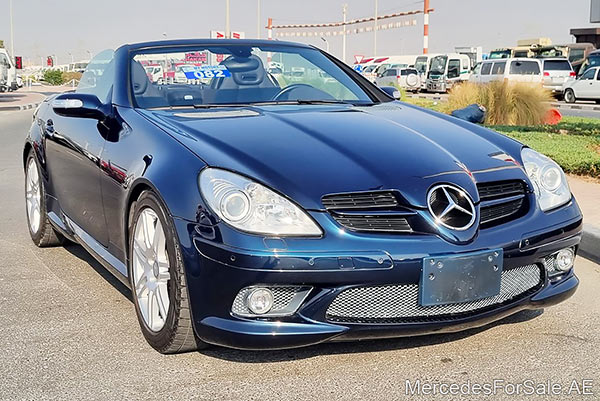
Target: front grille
374	223
392	304
360	200
501	202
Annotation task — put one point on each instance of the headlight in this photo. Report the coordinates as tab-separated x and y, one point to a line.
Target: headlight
251	207
549	181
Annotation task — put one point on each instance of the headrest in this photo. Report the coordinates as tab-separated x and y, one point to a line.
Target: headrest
245	70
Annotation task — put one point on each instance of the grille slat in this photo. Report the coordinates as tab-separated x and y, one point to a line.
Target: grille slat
375	223
501	211
400	303
494	190
360	200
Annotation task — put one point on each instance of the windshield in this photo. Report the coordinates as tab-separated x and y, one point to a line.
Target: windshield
438	64
500	54
594	60
236	74
421	65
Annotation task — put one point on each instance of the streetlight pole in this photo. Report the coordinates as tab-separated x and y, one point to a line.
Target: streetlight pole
345	9
227	27
12	39
375	31
326	43
257	19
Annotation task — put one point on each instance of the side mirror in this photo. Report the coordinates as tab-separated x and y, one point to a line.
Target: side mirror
391	91
80	105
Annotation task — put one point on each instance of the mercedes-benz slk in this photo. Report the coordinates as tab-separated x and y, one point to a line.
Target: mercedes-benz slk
260	211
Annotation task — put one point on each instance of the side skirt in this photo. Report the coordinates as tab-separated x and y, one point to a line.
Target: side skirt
111	263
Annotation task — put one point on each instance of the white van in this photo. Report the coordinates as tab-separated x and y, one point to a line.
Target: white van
446	70
508	69
422	65
3	76
11	81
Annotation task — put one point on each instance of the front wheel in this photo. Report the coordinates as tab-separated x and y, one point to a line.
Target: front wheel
40	229
570	96
157	279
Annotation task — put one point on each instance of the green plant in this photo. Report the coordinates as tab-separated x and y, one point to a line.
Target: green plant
53	77
576	154
507	103
68	76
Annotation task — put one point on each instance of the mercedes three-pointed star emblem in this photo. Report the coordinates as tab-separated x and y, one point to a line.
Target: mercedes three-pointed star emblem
451	207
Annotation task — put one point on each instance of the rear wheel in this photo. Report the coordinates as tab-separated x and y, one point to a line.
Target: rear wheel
570	96
157	279
41	231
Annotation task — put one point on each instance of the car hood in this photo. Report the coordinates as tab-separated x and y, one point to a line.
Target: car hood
308	151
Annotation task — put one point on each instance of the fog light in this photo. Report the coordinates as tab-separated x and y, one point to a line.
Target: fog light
564	259
260	301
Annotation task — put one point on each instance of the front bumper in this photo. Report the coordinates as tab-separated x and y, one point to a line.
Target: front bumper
216	273
436	86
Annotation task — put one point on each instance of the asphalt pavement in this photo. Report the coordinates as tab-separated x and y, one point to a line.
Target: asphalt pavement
68	331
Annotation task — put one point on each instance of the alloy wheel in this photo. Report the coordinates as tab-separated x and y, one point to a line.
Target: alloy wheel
151	269
33	196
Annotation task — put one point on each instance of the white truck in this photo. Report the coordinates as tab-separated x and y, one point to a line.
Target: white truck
8	62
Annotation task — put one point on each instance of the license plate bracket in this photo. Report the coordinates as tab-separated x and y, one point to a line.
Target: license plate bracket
465	277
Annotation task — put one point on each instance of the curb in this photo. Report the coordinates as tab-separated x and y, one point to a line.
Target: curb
589	247
27	106
588	107
428	97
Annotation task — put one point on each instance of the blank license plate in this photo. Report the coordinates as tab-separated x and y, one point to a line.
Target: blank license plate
450	279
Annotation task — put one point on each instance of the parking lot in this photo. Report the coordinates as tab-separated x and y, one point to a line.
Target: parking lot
69	331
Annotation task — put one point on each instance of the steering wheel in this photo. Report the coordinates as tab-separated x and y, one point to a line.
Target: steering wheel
284	94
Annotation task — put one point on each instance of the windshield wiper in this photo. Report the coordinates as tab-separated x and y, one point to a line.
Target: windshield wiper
309	101
217	105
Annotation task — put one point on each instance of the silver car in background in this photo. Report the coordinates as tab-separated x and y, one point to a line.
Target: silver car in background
557	71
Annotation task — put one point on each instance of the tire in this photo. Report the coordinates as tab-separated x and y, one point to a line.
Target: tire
413	81
157	283
40	229
570	96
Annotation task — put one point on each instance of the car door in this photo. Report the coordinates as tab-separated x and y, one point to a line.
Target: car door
74	149
486	70
584	86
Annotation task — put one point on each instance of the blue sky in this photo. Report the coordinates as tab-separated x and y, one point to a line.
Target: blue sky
44	27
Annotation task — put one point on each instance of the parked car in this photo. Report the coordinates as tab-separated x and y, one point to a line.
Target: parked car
557	71
407	78
592	60
369	72
508	69
576	53
257	215
585	87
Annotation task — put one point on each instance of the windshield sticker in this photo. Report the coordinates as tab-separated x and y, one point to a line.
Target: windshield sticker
205	71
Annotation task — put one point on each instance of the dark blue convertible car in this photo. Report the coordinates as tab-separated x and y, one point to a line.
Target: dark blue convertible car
262	194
